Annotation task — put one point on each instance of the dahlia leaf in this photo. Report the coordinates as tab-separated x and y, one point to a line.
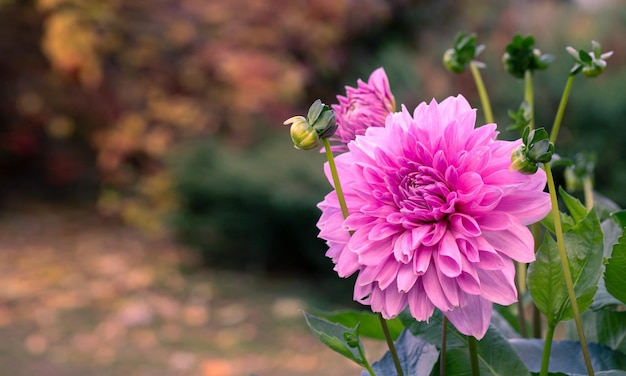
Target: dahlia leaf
369	323
584	249
605	327
612	230
620	217
495	355
417	357
339	338
566	357
576	208
615	274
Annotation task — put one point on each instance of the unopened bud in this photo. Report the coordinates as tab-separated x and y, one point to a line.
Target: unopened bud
304	137
319	123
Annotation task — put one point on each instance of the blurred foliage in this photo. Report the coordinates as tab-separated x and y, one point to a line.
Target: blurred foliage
98	95
252	209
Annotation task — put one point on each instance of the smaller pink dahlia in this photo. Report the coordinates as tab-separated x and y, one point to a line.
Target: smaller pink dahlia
363	107
436	214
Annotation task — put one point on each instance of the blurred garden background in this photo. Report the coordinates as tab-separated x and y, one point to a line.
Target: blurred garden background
154	216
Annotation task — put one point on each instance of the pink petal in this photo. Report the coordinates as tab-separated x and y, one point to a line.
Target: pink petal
516	242
420	305
449	256
498	286
473	318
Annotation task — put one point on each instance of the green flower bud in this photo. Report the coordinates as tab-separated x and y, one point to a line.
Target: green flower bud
521	56
591	63
452	63
319	123
519	162
351	339
304	136
463	53
536	148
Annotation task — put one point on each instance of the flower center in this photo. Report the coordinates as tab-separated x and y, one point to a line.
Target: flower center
426	196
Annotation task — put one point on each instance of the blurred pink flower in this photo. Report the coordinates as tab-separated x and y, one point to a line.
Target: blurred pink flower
436	215
363	107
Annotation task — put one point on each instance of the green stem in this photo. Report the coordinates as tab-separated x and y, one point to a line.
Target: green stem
529	96
588	188
547	349
333	172
392	348
344	211
521	315
444	339
482	93
367	364
536	322
559	113
567	274
473	352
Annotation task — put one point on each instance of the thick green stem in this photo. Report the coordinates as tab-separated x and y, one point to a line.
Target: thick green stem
559	113
473	352
547	349
482	93
521	314
529	97
567	274
333	172
392	348
344	211
444	340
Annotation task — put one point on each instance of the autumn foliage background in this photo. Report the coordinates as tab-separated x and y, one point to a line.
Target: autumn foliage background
167	113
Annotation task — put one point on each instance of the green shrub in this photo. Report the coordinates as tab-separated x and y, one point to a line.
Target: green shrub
252	209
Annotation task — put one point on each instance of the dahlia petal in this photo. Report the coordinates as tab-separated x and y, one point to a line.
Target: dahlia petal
434	291
363	294
422	259
449	256
473	318
435	233
393	303
420	306
402	247
346	264
382	230
464	225
388	273
498	285
527	206
450	288
516	242
469	280
406	278
494	221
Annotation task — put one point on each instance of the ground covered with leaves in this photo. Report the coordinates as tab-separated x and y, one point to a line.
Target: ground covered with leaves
83	296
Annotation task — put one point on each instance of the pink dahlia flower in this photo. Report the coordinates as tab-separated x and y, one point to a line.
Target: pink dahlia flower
436	214
363	107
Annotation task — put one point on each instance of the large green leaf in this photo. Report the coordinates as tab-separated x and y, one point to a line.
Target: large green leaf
605	327
369	323
339	338
495	355
612	230
546	282
566	356
417	357
615	274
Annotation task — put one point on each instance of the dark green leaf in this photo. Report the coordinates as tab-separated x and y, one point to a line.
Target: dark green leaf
417	357
605	327
620	217
615	274
369	323
576	208
566	356
584	249
495	354
336	337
